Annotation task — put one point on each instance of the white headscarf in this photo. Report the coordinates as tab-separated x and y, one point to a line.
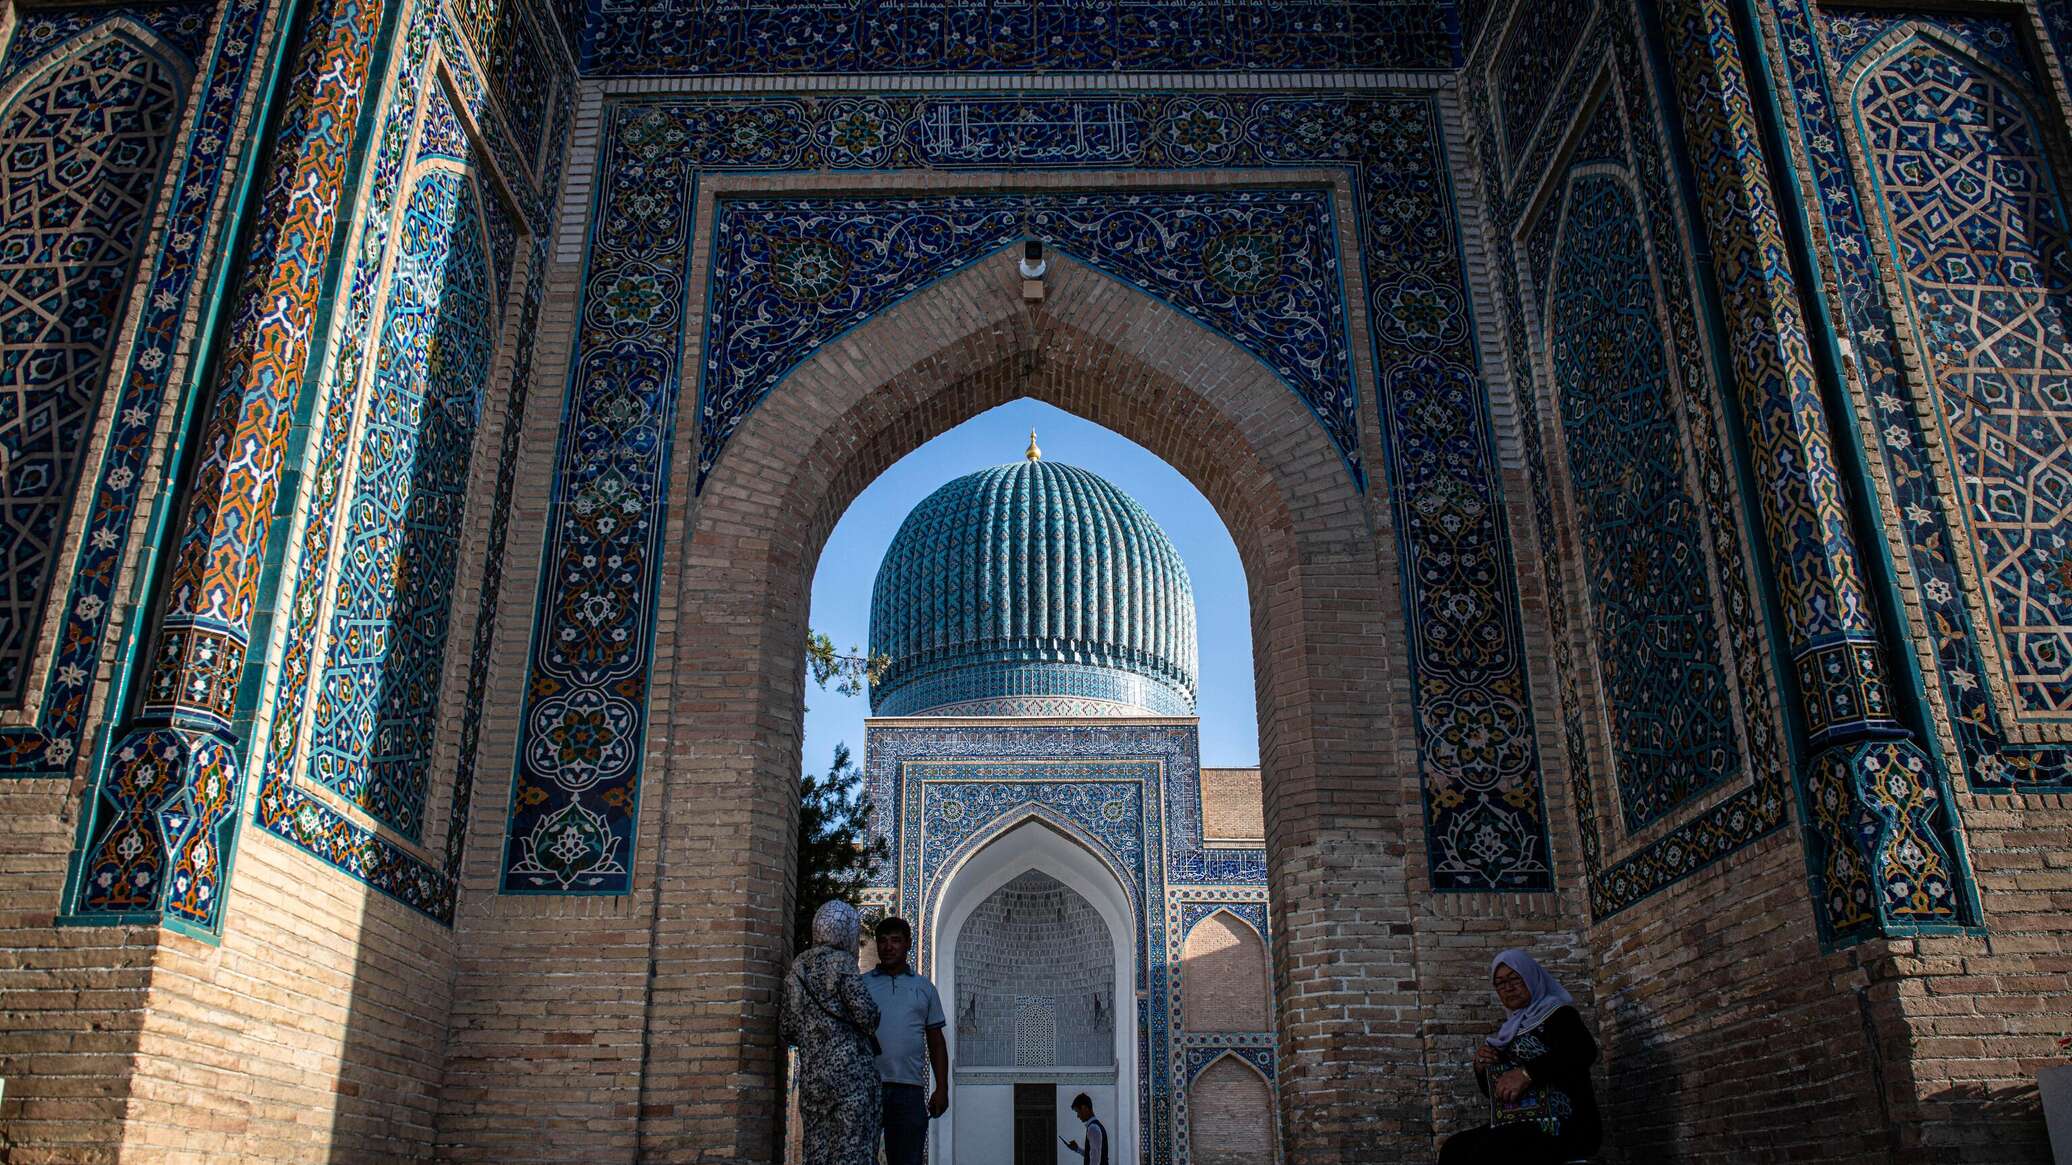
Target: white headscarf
1548	996
836	924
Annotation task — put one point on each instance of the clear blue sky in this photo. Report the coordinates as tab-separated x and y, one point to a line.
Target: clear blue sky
849	564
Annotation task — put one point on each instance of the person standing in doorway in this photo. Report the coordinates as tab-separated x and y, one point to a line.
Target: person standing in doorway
830	1016
1095	1150
910	1023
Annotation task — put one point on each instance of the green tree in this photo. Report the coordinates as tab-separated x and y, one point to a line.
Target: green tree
837	854
852	671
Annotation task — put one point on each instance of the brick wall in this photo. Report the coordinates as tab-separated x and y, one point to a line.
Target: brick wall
1223	975
1230	1115
1231	806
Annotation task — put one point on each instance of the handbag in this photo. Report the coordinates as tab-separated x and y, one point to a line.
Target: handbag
870	1038
1541	1107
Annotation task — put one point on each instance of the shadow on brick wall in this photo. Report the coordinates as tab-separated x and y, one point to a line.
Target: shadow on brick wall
1645	1085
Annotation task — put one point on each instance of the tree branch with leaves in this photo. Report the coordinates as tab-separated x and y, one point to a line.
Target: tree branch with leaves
837	854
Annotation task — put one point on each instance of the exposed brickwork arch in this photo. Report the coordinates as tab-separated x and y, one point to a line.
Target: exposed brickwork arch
1230	1115
1223	977
1323	614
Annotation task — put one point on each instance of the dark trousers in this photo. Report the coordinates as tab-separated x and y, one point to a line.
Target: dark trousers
906	1124
1519	1144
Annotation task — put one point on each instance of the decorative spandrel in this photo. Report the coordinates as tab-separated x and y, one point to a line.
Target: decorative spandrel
1658	664
377	703
82	146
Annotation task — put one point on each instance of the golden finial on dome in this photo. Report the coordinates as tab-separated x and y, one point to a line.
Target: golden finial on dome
1034	454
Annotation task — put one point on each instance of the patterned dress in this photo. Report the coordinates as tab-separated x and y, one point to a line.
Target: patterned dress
1557	1122
827	1010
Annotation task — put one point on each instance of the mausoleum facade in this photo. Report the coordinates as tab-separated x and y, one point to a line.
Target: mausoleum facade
1072	878
1641	424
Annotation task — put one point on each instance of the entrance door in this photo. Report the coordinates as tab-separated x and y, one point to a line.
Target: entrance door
1035	1124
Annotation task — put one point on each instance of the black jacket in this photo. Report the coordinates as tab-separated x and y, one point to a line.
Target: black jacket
1557	1055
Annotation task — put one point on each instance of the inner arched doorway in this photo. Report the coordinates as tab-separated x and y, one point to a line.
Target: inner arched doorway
1336	748
1008	1015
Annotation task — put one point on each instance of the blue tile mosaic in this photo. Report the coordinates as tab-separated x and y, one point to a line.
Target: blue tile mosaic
1657	643
1258	266
1616	135
425	881
711	37
86	136
586	709
378	699
1538	45
1982	310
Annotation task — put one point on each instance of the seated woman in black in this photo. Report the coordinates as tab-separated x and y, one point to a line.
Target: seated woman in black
1536	1071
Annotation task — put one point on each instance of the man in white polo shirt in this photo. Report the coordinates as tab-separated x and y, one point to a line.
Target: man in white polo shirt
910	1020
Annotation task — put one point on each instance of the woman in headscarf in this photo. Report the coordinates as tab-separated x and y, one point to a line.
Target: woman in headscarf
829	1014
1536	1072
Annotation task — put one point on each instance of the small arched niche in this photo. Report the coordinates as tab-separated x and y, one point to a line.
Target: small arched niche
1230	1115
1224	978
1036	979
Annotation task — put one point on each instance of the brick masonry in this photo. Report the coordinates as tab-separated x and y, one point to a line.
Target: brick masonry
1225	967
1232	1124
328	1020
1232	809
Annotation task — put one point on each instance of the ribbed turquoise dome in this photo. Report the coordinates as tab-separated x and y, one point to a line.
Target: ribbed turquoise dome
1032	589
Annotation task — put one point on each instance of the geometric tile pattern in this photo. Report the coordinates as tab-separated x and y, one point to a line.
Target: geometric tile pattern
1979	233
401	152
1658	664
513	51
1537	46
178	32
181	32
1616	133
1828	612
1988	738
195	662
2057	25
1893	863
1820	575
377	704
433	51
82	146
198	660
699	37
1485	815
167	825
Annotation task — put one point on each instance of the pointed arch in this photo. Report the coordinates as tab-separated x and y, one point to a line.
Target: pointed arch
1226	977
1034	843
1963	162
86	133
1231	1118
730	673
1029	813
